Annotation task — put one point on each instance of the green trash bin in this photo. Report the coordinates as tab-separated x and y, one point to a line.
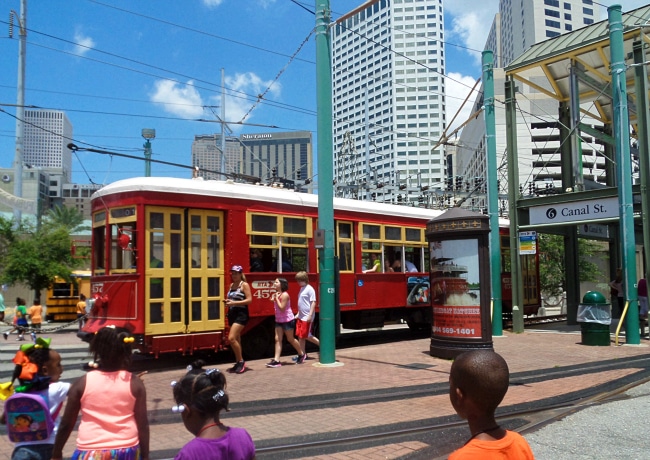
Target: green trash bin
595	316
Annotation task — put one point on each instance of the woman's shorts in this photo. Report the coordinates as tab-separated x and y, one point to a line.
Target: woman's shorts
238	315
303	329
286	326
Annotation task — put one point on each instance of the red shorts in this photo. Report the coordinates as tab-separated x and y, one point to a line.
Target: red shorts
303	329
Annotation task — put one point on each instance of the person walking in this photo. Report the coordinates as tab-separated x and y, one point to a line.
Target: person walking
284	322
642	292
306	314
617	292
238	298
81	310
20	320
35	314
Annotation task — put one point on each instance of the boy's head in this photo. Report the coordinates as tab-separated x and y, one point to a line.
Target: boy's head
302	277
478	382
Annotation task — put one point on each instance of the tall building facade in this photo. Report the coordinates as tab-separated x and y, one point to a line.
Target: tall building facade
524	23
285	156
388	79
206	154
516	27
47	135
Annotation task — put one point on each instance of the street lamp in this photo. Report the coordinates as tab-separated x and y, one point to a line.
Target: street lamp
148	134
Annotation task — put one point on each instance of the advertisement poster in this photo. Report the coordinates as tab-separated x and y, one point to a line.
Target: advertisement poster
455	288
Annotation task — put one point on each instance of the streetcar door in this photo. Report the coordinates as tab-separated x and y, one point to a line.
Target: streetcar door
205	271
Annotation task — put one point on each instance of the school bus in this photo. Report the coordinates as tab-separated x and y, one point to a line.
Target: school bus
62	296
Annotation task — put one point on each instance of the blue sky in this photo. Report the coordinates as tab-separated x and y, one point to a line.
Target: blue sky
118	66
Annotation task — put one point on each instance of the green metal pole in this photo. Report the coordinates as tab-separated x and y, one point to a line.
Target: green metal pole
623	171
147	158
513	196
325	180
493	193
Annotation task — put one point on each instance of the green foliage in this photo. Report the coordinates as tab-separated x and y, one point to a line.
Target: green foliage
552	266
66	217
35	256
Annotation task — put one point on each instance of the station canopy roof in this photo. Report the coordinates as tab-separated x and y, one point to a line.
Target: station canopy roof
545	66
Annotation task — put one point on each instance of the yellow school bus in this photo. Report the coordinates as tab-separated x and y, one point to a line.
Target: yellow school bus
62	296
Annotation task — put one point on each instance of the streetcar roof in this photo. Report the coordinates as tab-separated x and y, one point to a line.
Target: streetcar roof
260	193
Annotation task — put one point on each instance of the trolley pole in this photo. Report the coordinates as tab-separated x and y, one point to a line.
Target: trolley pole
325	180
493	193
623	172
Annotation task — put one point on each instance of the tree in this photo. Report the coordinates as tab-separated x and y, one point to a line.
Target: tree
552	272
66	217
35	256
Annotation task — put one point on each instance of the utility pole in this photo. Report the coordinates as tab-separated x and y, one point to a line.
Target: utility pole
20	106
148	134
223	123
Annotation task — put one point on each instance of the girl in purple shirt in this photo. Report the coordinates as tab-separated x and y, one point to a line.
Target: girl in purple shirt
200	396
284	322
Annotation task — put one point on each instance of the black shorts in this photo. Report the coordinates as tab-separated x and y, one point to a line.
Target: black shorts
238	315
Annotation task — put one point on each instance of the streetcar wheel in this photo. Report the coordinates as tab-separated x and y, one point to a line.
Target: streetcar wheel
260	342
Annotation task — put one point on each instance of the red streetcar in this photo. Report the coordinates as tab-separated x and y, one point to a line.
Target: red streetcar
163	247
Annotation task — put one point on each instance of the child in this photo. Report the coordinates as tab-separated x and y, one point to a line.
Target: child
112	402
200	396
306	312
39	367
20	320
284	323
478	382
35	314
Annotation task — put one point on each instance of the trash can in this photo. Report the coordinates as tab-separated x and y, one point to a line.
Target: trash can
595	316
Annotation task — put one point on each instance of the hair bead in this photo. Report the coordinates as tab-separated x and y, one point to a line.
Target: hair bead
178	409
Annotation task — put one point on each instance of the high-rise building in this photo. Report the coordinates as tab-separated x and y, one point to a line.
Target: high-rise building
524	23
516	27
388	83
46	138
206	154
285	156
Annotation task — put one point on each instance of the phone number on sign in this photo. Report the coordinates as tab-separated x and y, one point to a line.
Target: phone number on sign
455	331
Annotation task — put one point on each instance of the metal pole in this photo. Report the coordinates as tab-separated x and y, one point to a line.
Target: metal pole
493	192
147	158
223	122
325	180
20	110
623	171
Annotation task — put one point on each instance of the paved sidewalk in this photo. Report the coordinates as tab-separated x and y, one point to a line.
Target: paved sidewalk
367	369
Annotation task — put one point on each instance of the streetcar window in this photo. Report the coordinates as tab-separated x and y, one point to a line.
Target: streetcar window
175	221
99	249
195	222
99	217
213	224
393	233
196	250
213	309
156	220
156	312
175	312
344	247
371	231
286	249
196	310
175	250
295	226
263	223
414	234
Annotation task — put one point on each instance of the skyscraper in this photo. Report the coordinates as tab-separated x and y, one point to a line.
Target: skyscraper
388	99
206	154
47	135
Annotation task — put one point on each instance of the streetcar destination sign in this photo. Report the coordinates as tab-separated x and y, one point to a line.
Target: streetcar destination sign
604	208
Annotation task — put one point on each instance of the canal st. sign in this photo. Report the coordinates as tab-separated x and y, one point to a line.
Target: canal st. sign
603	208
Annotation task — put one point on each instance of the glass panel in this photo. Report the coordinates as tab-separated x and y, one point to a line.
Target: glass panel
175	243
176	312
196	250
213	251
175	287
264	240
99	247
213	224
345	256
196	311
295	226
371	231
175	221
157	244
393	233
369	245
156	312
213	287
298	258
455	272
156	288
196	287
413	234
196	223
260	223
100	216
157	220
122	246
213	309
412	259
345	230
294	240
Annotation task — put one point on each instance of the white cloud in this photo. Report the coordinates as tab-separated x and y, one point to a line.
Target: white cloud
83	43
266	3
212	3
457	88
238	89
470	23
181	100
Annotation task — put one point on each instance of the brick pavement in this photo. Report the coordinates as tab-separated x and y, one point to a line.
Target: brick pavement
374	368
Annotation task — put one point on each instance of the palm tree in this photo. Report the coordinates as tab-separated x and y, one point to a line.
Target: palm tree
67	217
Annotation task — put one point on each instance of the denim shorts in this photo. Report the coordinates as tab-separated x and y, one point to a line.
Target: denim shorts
286	326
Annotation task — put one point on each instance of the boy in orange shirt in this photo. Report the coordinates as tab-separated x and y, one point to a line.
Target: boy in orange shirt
478	382
35	313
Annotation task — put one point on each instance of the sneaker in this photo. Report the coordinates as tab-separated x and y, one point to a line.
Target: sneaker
295	358
20	337
274	363
301	358
33	335
241	367
6	334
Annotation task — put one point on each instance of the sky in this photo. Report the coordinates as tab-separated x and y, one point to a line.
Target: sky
117	66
